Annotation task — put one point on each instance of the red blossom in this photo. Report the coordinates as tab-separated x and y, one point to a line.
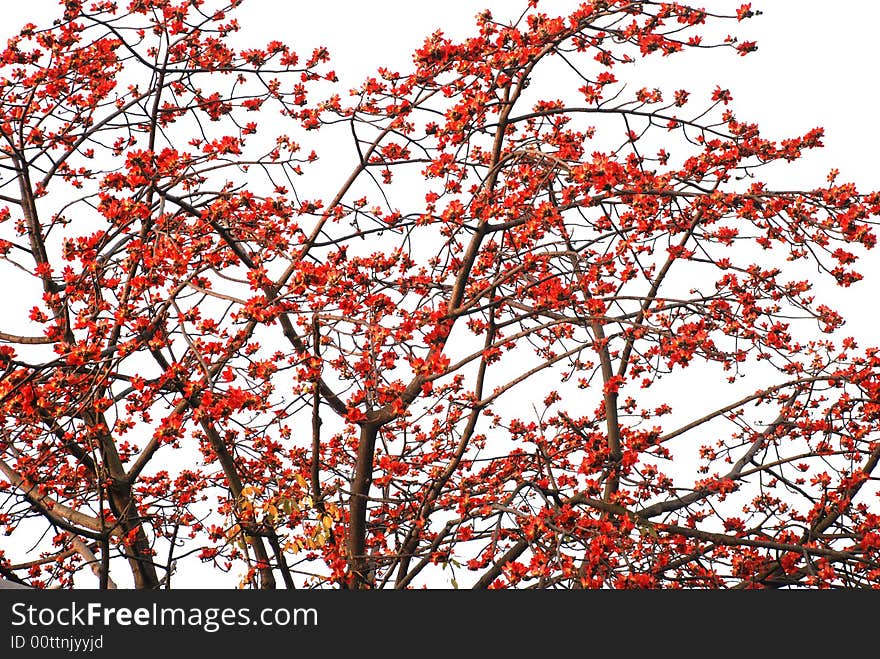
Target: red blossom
496	335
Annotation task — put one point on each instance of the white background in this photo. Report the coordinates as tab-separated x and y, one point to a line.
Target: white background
814	66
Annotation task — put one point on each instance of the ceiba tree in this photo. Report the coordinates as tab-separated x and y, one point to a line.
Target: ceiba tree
432	330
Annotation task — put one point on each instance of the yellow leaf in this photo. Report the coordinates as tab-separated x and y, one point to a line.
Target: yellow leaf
327	521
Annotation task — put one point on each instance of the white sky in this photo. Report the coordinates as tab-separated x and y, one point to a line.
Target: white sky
814	67
810	67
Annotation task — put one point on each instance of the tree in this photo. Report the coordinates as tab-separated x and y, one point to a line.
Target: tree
462	364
